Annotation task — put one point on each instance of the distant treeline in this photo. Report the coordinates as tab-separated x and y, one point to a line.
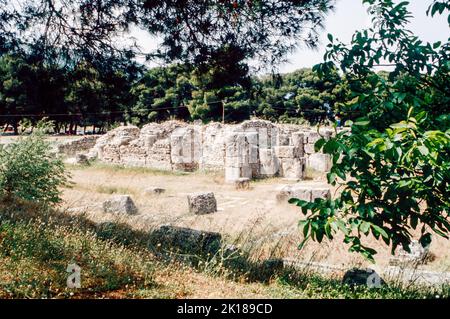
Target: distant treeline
84	95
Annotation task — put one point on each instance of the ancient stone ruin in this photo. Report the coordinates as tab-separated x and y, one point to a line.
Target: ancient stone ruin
416	256
186	240
252	149
302	192
120	204
202	203
78	145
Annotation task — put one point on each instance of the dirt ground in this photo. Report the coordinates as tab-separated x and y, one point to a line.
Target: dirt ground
249	218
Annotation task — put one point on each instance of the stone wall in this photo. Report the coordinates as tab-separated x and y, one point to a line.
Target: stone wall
78	145
252	149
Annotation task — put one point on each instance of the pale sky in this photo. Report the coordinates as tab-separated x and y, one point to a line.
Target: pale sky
349	16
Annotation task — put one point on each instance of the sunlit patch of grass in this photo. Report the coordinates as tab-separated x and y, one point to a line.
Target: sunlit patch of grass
113	190
37	254
117	261
313	286
96	165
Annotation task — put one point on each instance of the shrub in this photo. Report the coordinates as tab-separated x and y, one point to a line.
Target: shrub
28	170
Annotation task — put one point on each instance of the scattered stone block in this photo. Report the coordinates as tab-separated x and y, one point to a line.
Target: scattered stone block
81	159
418	255
302	192
120	204
270	268
202	203
242	183
293	191
363	277
232	174
154	190
323	193
186	240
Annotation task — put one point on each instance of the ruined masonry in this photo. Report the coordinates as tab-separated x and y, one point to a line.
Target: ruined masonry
252	149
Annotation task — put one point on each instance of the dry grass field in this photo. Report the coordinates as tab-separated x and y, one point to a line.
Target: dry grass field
251	219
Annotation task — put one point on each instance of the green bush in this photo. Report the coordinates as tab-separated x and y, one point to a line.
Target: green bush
29	171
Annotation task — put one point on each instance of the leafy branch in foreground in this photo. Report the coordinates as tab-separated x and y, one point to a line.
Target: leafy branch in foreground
394	164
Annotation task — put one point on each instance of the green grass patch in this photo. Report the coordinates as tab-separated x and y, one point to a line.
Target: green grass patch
96	165
114	190
116	261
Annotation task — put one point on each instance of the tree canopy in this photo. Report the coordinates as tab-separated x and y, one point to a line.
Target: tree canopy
197	32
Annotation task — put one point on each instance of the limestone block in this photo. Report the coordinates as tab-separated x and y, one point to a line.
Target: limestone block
323	193
124	135
297	139
183	145
273	137
309	148
232	174
326	133
234	161
176	146
120	204
283	140
212	148
252	138
293	168
149	140
263	137
269	164
72	147
236	145
246	171
313	137
186	240
93	154
253	154
202	203
363	277
319	162
416	256
187	150
293	191
288	152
